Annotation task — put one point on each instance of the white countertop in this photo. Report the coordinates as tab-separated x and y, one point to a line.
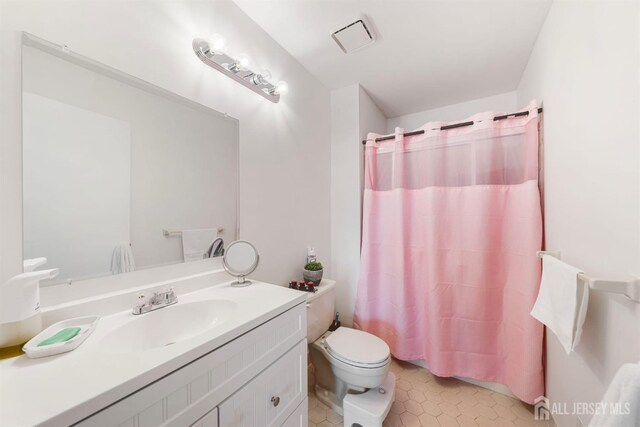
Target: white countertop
64	389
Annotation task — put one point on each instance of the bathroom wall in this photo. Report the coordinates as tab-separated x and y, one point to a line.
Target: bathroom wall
284	147
584	69
371	119
353	115
503	102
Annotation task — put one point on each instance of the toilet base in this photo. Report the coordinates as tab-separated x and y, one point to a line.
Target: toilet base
369	409
329	399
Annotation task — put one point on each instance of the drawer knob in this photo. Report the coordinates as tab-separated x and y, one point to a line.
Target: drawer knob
275	400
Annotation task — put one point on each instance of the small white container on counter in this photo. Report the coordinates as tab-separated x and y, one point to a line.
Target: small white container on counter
87	325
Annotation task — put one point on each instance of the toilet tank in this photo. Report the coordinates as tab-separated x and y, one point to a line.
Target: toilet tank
321	307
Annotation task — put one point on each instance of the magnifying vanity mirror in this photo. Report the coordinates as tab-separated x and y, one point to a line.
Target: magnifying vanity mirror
240	259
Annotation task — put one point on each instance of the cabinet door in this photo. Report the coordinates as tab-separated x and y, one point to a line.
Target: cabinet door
300	417
209	420
272	396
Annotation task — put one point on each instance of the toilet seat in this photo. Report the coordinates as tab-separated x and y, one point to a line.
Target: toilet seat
357	348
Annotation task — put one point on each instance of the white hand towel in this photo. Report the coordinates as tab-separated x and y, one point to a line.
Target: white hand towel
621	403
196	242
122	259
562	301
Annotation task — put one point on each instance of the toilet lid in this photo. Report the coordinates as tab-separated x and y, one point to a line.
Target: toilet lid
357	347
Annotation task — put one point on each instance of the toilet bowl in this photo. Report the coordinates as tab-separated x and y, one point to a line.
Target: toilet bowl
348	362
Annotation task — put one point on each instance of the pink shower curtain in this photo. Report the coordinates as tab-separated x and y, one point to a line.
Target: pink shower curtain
451	226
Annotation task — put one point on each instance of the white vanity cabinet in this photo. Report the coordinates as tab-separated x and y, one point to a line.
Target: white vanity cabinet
272	396
257	380
209	420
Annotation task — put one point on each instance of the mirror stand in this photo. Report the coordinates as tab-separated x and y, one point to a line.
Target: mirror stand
241	282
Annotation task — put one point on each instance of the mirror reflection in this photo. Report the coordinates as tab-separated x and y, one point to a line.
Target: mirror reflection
119	175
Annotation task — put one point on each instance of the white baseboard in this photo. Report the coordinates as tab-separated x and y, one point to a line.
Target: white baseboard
497	387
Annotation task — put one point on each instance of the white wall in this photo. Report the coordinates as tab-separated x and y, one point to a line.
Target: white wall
504	102
353	115
284	147
345	198
371	119
584	69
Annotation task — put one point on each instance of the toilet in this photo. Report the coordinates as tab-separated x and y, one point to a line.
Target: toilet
351	366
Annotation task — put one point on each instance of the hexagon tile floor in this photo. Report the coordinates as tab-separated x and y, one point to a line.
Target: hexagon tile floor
423	399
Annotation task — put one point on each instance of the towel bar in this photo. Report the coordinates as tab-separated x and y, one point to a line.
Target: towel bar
168	233
629	288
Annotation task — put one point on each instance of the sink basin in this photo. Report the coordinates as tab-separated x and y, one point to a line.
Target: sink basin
167	326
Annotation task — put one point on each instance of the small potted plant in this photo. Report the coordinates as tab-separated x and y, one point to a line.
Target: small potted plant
313	272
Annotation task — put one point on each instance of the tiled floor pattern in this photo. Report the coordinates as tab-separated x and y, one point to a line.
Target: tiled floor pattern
423	399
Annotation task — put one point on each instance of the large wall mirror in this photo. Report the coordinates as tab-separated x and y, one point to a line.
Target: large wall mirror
119	175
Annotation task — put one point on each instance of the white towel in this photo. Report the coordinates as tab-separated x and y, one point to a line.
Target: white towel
122	259
196	242
562	301
621	403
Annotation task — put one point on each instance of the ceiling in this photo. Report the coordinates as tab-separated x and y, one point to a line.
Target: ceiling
428	53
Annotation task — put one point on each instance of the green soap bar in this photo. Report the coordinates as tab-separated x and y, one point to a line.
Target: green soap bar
62	336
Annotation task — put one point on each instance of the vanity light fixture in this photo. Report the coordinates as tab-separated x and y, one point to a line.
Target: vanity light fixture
213	52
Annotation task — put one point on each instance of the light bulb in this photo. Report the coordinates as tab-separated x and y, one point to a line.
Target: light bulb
282	87
266	74
262	77
217	44
243	61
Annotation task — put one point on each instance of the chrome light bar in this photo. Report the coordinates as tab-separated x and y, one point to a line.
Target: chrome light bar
232	68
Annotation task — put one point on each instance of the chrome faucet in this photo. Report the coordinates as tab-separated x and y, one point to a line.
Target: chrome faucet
157	300
216	249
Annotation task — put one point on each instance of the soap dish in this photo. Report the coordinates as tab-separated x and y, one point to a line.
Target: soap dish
86	324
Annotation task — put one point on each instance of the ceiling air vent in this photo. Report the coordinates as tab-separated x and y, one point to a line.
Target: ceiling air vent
354	36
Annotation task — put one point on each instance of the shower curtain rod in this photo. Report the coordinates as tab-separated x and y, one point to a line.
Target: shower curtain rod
453	126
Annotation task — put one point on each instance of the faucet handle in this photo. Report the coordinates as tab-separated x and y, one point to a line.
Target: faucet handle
166	296
159	299
166	293
141	303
